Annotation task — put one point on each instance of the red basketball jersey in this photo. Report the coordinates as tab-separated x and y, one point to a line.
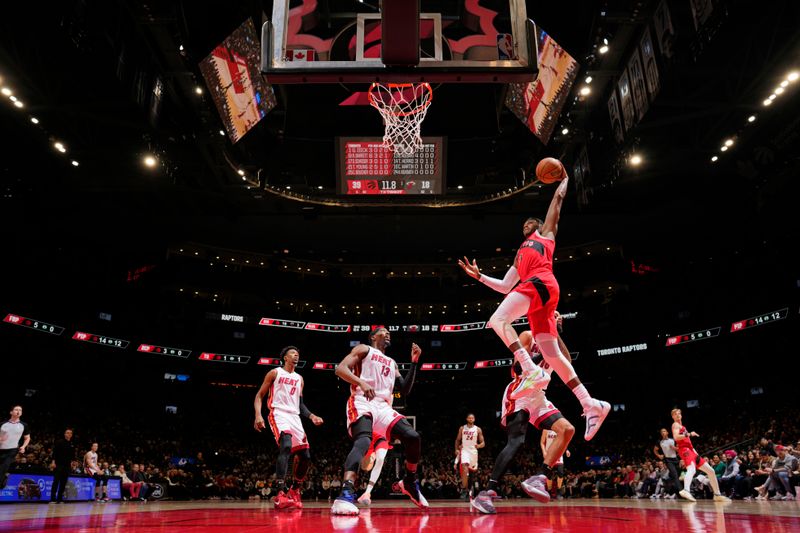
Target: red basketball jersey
535	256
684	443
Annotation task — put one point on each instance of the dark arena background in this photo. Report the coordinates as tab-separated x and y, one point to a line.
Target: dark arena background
187	188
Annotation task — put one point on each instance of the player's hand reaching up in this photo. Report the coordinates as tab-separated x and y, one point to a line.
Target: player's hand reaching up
562	187
416	351
471	269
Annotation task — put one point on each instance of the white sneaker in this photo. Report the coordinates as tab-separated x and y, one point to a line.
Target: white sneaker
343	507
686	495
536	488
788	498
721	498
531	382
595	415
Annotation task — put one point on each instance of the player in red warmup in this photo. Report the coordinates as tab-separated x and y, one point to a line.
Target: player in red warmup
691	460
535	293
285	388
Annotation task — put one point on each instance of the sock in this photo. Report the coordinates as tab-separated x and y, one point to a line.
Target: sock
583	396
411	470
687	479
525	360
492	485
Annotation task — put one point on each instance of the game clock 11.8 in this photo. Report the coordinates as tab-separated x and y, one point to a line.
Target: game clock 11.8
365	167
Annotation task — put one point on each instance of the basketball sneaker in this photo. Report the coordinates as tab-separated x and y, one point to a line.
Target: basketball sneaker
530	383
723	498
536	488
294	495
345	504
483	502
365	499
282	501
686	495
410	487
595	415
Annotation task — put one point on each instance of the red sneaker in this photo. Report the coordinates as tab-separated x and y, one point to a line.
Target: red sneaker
282	501
294	495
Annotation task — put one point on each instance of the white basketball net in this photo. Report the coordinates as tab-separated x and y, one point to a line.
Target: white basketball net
403	107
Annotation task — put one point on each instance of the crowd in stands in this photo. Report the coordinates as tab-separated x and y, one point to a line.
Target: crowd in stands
757	460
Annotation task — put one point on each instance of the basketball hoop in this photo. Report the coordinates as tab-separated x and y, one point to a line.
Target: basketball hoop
403	107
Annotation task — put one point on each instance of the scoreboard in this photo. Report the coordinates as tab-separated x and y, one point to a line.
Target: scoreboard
365	167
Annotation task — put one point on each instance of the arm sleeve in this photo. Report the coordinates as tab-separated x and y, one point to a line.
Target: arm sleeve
501	285
407	382
304	412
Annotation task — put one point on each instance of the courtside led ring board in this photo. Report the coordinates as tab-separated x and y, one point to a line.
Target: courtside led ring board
341	41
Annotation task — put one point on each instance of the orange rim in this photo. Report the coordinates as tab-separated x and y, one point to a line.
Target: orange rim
393	86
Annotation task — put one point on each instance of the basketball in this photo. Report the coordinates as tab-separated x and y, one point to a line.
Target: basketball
549	170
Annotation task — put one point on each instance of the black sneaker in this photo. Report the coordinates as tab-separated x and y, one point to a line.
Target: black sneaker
410	487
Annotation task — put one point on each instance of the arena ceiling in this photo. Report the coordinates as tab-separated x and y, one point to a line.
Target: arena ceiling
86	69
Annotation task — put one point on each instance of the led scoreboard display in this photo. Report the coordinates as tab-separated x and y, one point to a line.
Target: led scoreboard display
760	320
38	325
692	337
100	339
364	166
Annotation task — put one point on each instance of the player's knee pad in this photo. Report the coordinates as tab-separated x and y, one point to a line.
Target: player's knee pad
285	444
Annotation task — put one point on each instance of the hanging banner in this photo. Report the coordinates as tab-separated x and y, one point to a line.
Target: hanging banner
650	66
665	33
626	101
615	117
638	90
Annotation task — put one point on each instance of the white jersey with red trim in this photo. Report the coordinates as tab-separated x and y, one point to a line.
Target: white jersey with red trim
379	371
469	437
549	440
284	394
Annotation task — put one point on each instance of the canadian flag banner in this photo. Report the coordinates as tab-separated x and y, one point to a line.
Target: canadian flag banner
301	55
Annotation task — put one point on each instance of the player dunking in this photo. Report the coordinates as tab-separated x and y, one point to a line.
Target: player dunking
285	388
691	460
468	441
537	296
372	376
534	409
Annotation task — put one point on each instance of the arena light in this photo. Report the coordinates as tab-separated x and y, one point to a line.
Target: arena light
728	142
198	90
723	148
767	102
6	91
60	147
12	98
793	76
564	131
180	48
222	133
603	49
240	172
244	178
784	83
635	160
34	120
75	163
460	187
714	159
588	80
585	91
149	161
751	118
18	104
779	90
773	96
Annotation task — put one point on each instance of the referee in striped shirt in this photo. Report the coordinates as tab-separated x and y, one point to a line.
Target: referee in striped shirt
14	439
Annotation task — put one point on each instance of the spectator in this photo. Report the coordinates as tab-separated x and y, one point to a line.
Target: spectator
728	478
134	488
779	473
137	476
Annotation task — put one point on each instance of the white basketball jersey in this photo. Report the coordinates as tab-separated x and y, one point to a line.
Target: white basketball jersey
378	371
538	359
469	437
284	395
551	438
90	463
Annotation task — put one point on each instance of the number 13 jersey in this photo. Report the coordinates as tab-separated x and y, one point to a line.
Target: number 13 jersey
379	372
